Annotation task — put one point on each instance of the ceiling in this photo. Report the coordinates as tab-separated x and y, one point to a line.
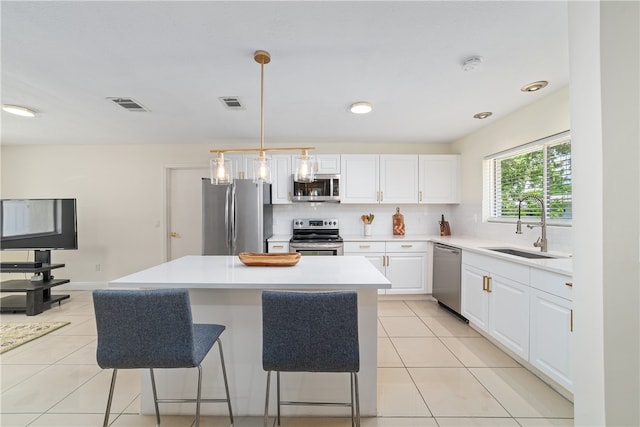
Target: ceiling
64	59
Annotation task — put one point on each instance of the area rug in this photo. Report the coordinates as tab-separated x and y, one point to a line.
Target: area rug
14	334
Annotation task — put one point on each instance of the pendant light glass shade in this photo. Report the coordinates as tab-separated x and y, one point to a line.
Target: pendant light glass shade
262	168
221	170
304	167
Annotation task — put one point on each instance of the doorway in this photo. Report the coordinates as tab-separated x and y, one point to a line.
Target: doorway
183	225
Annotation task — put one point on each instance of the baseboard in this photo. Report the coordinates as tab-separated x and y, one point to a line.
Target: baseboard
80	286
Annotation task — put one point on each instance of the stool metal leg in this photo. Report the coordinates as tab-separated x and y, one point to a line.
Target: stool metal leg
155	396
110	398
198	395
226	383
355	377
278	391
266	401
353	415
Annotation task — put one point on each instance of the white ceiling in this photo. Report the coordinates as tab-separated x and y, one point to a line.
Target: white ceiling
64	59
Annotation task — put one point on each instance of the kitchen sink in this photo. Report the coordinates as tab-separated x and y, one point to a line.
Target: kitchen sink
524	254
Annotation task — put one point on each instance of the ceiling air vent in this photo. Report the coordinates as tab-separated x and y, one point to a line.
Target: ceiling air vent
129	104
231	102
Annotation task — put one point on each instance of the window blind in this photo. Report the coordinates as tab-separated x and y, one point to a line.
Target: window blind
542	169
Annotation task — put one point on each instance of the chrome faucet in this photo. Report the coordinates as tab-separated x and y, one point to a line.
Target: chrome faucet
542	240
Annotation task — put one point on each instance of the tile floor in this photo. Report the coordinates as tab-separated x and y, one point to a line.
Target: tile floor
434	370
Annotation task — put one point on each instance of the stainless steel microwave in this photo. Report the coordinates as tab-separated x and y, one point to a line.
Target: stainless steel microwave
324	188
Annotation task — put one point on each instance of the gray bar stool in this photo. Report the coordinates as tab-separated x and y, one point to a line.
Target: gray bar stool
153	329
311	332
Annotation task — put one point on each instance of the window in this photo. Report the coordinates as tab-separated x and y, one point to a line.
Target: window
542	169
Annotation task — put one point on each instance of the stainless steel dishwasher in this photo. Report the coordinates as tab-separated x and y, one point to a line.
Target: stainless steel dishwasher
447	263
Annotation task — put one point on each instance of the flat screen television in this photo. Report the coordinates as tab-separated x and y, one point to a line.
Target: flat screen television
38	224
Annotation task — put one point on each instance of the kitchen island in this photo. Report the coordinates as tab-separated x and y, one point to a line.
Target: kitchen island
225	291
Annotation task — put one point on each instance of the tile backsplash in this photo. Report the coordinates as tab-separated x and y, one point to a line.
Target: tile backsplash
465	219
419	219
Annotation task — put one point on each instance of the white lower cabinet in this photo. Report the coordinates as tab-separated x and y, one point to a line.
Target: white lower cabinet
406	272
509	314
278	247
403	263
526	309
475	299
552	326
495	299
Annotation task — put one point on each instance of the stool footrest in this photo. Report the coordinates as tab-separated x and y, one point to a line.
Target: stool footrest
283	402
192	400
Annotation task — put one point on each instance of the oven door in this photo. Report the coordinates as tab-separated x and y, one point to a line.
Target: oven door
317	249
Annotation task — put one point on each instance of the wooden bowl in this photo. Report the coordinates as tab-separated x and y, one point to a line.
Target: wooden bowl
253	259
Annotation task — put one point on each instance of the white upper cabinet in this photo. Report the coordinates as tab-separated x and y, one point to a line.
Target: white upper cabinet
328	164
439	178
281	182
372	178
242	164
398	178
359	179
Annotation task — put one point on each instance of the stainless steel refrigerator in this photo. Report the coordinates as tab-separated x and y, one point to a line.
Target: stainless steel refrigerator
236	218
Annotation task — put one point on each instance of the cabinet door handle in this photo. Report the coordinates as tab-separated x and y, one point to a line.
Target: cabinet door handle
569	284
388	260
365	246
278	246
571	321
407	246
484	283
489	284
381	196
289	195
419	196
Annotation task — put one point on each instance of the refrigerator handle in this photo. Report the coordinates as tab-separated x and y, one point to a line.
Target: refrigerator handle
232	224
227	239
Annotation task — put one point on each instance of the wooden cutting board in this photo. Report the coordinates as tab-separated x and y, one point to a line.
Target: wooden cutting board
445	229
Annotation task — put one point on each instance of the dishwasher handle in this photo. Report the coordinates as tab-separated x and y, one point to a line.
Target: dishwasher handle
449	249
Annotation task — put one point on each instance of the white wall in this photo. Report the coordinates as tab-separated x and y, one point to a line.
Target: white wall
548	116
121	200
605	113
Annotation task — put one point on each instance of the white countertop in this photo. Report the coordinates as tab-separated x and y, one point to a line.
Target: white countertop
562	265
279	238
386	237
228	272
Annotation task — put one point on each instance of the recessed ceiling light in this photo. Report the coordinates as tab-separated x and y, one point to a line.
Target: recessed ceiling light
535	86
19	111
472	63
361	107
483	115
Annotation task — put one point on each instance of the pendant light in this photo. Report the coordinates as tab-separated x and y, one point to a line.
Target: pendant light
305	167
262	165
221	168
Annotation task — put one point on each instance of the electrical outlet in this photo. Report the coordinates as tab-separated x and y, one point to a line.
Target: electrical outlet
97	267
